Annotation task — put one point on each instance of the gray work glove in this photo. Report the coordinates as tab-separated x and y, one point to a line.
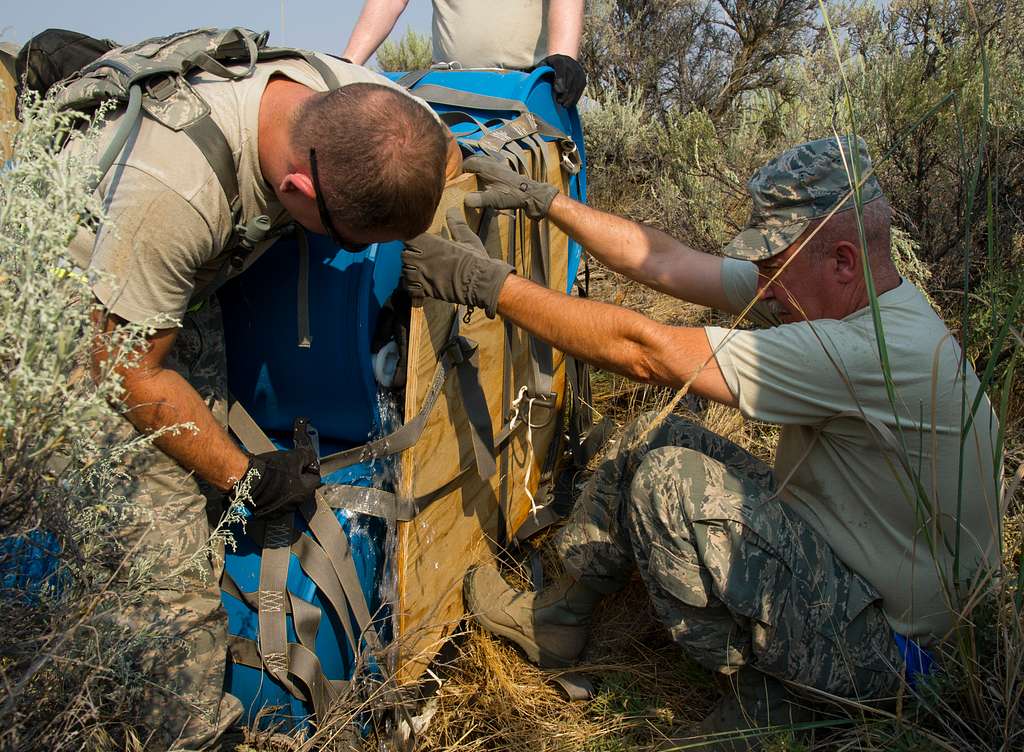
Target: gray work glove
507	189
454	267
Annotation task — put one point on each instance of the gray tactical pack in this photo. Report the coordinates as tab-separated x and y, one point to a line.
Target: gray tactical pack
151	76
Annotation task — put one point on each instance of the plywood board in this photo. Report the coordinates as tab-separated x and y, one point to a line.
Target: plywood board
457	531
7	100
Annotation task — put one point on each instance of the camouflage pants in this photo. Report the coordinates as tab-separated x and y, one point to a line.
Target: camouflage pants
166	533
736	575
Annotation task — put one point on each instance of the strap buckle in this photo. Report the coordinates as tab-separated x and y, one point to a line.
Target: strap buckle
571	162
456	350
161	87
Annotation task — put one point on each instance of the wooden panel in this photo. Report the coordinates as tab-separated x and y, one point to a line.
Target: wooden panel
437	548
7	99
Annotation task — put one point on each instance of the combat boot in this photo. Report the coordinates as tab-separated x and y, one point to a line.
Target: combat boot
740	722
550	626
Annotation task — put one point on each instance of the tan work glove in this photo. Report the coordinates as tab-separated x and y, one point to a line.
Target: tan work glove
507	189
453	267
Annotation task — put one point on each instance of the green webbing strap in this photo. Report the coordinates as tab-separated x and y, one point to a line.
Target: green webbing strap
543	518
305	339
330	80
413	77
541	354
250	599
521	127
328	532
317	567
306	619
455	118
458	354
305	616
375	502
213	145
216	68
248	431
474	401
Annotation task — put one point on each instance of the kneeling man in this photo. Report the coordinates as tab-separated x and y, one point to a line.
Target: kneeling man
816	571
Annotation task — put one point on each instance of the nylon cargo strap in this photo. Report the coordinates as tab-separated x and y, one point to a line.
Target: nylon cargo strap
460	355
303	665
328	562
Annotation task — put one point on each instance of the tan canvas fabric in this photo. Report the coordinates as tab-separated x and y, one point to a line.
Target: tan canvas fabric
482	34
843	479
169	217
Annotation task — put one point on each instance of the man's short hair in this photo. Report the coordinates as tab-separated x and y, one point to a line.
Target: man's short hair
380	157
877	219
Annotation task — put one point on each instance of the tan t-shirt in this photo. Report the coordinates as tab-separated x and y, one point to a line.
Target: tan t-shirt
817	379
482	34
169	218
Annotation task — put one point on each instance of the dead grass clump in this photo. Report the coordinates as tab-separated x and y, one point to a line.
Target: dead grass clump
491	698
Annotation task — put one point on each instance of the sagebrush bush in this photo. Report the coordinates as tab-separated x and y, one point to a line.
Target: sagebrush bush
70	677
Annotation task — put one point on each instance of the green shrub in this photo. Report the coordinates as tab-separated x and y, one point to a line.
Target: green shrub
71	677
412	52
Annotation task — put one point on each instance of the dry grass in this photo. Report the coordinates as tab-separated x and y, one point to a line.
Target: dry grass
491	698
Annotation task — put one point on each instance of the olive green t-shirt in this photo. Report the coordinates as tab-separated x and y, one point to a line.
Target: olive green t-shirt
169	220
481	34
848	467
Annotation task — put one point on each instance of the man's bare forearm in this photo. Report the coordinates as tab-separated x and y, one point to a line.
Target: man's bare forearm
565	27
643	253
615	338
162	398
376	20
159	398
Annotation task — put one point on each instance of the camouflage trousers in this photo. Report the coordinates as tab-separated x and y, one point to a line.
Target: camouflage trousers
166	535
736	575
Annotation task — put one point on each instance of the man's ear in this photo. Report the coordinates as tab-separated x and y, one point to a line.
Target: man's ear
298	182
846	260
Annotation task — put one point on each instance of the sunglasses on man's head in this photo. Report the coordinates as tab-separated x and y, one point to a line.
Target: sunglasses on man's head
325	216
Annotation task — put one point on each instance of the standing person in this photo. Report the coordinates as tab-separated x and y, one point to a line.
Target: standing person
363	163
822	571
479	34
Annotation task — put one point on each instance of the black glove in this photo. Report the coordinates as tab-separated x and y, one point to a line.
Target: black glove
456	268
570	79
279	481
507	189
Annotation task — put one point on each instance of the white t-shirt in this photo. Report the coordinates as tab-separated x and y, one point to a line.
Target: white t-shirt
823	383
481	34
169	218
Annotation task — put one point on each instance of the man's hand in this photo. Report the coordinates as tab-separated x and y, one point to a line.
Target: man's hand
570	79
507	189
278	482
454	268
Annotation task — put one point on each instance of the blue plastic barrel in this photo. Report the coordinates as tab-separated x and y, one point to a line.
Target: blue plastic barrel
255	688
532	89
332	383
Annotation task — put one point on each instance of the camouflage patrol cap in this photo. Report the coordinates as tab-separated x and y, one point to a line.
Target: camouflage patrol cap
798	186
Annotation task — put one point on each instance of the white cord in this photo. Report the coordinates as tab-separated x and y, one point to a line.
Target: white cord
516	403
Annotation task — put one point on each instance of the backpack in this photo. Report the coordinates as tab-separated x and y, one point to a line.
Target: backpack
53	55
151	76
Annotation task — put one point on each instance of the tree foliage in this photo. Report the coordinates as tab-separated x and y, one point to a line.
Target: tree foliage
412	52
693	54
